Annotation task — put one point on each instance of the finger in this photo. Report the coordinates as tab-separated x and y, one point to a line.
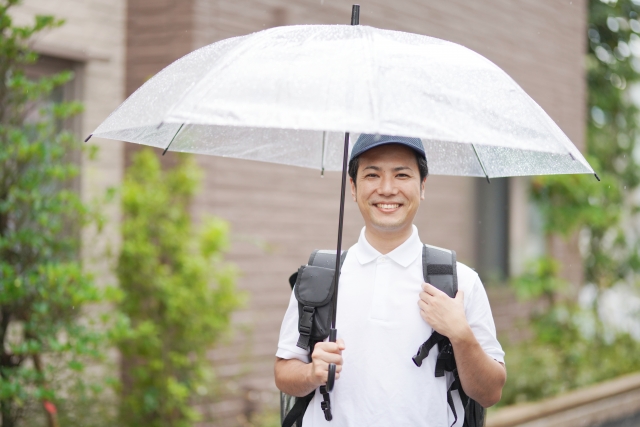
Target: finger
329	358
329	347
423	305
425	297
460	296
430	289
341	344
321	374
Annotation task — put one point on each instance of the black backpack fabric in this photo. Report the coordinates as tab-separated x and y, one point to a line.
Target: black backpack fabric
313	287
439	269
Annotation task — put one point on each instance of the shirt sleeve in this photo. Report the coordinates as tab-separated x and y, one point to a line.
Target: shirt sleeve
287	348
480	320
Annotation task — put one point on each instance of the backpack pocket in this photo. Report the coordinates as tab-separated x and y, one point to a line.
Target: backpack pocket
313	290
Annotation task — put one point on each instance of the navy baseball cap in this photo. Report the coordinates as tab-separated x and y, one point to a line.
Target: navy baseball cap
367	141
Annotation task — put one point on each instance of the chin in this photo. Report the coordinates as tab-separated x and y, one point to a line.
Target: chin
389	225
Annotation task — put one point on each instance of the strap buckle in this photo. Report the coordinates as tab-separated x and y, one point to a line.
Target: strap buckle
325	405
306	320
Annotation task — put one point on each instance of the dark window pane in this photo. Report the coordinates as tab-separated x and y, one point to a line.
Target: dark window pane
492	230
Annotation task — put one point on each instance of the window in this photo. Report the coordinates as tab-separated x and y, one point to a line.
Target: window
492	230
49	65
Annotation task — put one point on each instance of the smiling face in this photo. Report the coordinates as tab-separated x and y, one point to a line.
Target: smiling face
388	189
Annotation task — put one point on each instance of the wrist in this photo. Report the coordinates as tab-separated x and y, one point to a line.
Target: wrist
310	377
462	335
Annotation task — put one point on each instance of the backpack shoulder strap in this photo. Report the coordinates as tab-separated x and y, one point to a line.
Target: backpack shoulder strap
313	288
325	258
439	269
319	258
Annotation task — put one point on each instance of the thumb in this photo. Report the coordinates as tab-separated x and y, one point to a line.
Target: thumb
460	297
340	343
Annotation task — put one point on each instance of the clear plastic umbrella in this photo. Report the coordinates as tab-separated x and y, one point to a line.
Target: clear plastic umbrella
293	94
288	94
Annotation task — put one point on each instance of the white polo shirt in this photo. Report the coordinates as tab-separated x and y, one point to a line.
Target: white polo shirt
379	320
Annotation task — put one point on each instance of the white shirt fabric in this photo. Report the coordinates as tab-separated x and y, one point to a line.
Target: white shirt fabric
379	320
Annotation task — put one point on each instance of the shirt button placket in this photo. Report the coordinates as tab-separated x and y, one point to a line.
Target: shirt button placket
379	306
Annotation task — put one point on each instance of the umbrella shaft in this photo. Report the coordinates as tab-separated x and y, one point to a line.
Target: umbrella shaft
336	276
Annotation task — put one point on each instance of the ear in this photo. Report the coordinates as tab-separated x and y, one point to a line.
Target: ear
353	189
424	183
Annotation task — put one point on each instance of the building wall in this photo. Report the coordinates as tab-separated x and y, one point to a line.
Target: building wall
92	38
279	214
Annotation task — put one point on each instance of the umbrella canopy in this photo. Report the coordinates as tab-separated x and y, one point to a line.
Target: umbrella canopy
288	94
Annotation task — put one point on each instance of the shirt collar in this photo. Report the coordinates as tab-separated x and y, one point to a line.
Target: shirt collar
404	254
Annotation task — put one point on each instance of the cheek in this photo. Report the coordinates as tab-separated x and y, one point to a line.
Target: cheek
363	193
414	194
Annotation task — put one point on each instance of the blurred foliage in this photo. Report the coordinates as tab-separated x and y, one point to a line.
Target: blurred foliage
540	281
177	294
570	347
267	418
43	288
604	212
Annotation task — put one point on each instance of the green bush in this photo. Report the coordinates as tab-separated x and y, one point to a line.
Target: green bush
44	346
177	294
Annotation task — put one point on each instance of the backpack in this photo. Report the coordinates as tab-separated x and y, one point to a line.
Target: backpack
313	287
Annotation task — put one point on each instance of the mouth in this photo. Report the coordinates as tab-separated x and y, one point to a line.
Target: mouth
387	207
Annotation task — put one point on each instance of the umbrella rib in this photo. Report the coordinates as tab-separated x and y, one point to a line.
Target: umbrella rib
174	137
481	164
325	139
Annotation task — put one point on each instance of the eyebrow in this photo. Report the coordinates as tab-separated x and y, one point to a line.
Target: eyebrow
396	169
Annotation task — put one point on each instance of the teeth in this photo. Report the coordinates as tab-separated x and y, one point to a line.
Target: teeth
388	206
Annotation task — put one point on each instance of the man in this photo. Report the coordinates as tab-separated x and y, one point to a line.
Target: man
385	311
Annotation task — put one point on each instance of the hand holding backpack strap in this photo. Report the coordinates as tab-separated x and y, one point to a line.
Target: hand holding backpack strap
439	270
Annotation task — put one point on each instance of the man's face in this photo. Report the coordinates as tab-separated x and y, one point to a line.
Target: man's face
388	189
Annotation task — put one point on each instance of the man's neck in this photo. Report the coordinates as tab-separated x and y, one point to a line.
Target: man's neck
386	241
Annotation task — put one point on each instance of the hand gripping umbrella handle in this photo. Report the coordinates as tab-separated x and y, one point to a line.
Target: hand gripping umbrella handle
331	379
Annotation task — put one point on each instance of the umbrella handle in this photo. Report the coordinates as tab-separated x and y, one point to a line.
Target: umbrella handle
331	379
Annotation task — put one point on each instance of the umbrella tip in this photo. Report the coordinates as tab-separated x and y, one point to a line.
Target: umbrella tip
597	177
355	14
88	138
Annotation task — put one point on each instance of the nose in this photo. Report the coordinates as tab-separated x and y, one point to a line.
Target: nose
387	186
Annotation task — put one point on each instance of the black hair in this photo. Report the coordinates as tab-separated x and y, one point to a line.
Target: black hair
423	167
